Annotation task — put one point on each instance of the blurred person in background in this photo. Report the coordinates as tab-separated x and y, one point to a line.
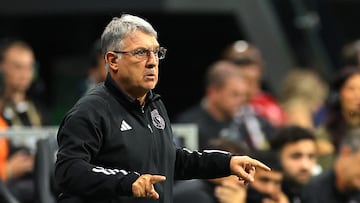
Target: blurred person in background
17	63
224	110
350	53
250	62
4	150
16	170
96	71
340	184
296	148
342	113
267	185
302	98
17	66
225	92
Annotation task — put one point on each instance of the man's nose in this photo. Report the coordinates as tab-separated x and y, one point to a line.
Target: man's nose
269	188
152	60
306	163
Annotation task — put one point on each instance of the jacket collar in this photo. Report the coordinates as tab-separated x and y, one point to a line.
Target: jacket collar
122	97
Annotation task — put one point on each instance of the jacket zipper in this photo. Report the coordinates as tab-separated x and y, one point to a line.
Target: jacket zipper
143	112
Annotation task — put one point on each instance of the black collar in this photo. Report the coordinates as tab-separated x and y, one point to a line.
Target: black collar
125	99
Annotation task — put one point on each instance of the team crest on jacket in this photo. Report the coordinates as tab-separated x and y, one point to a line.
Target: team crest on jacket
157	120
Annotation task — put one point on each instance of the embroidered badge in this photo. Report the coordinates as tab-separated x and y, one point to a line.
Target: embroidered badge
157	120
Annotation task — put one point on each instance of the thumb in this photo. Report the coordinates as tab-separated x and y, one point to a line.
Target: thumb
157	178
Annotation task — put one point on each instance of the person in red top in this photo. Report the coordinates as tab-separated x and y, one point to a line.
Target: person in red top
17	68
250	62
15	165
4	150
3	156
266	106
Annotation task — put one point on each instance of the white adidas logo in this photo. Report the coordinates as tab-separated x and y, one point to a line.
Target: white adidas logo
125	126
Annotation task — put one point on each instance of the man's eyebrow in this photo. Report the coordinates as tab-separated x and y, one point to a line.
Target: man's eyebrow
143	47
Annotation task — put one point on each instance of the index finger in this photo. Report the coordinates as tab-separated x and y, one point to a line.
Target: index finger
259	164
157	178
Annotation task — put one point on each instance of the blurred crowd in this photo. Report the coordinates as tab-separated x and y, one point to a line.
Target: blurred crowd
308	133
20	108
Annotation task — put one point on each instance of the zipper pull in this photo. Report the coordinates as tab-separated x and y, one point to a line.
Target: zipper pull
150	128
142	108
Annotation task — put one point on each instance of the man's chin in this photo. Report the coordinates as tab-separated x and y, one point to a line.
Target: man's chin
303	180
149	85
150	88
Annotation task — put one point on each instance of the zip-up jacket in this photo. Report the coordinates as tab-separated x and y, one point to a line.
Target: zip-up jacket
107	140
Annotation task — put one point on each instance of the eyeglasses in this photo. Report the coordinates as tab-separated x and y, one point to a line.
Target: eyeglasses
143	53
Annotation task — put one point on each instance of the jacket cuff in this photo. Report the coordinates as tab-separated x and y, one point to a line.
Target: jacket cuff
125	185
227	159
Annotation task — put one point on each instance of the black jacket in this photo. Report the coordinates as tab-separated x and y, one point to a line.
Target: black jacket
107	140
322	188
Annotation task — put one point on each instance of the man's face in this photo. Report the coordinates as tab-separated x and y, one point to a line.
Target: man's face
137	76
230	97
298	160
350	94
98	73
17	68
268	182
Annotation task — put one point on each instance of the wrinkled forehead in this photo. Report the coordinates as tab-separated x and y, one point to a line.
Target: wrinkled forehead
140	39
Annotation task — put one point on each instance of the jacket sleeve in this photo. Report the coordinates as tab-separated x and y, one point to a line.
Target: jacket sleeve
204	165
79	138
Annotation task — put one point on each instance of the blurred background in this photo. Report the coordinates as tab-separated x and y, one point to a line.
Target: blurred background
289	33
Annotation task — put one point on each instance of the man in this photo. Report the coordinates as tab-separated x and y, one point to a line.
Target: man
250	62
17	63
96	72
116	143
296	149
341	184
226	91
224	110
267	184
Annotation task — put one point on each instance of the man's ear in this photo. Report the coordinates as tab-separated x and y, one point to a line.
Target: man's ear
111	59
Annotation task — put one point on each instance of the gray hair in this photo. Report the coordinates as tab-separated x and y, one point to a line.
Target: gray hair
119	28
